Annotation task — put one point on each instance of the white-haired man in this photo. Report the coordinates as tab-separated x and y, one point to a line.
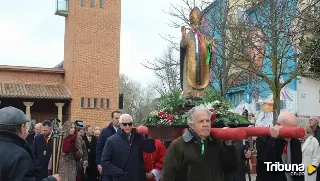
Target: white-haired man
274	149
122	156
314	124
196	155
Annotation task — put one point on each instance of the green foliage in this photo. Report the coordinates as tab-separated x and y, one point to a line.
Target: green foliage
173	110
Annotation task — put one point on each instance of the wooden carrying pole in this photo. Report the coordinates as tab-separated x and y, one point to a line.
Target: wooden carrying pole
242	132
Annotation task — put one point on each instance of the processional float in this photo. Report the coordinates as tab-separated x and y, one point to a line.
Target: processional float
58	132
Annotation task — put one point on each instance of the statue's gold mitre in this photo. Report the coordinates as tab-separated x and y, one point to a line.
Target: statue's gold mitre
195	14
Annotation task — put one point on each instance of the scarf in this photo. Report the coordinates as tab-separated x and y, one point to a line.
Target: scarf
199	140
201	45
68	143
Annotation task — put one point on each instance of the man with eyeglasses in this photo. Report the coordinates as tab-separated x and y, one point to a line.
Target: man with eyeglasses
104	135
122	156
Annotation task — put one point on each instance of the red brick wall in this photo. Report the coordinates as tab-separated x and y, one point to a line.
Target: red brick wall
92	57
30	77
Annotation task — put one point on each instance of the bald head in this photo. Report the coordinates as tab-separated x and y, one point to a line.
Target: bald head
125	118
38	128
287	119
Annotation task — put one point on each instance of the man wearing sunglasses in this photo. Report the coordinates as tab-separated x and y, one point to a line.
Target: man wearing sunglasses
122	156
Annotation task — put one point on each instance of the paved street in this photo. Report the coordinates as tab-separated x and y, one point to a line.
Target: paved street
253	177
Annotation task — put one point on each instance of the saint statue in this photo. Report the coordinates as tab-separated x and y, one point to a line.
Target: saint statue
195	56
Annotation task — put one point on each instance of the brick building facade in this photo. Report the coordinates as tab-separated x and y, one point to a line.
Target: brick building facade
86	84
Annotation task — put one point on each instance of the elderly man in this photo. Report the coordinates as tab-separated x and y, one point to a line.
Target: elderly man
31	136
41	149
314	124
196	155
122	156
16	158
274	149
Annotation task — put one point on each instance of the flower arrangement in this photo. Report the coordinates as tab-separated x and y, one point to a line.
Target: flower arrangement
172	110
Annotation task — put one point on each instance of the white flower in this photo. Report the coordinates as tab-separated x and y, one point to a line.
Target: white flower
216	102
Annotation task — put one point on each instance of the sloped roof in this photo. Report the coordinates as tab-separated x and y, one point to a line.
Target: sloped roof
35	91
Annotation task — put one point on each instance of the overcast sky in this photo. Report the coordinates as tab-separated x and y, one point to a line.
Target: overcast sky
31	35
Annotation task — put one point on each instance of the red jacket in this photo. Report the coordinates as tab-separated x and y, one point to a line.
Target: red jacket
155	160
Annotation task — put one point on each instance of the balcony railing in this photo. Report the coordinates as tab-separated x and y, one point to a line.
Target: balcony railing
62	7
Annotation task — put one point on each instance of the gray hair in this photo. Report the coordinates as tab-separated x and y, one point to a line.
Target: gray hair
308	129
316	118
125	117
190	118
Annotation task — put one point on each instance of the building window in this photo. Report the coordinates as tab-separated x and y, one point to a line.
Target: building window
82	102
237	98
101	103
89	102
108	103
95	102
82	2
101	3
91	3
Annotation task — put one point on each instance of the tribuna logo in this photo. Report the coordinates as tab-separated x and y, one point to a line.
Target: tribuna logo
294	169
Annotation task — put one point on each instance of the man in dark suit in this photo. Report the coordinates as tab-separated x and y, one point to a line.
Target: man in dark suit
274	149
42	149
36	132
105	134
91	143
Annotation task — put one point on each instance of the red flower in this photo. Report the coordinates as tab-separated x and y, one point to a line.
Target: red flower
161	114
213	117
170	118
211	110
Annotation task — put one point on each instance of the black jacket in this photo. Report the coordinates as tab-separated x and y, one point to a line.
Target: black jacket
41	155
240	174
124	159
30	138
270	150
105	134
16	159
91	149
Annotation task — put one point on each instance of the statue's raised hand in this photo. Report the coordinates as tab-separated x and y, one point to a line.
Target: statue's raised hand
183	30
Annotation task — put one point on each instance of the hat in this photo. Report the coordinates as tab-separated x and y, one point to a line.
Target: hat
79	123
12	116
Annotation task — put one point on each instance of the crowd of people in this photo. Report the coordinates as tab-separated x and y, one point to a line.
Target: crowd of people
118	153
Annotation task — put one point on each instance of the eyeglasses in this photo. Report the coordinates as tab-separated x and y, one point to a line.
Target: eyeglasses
126	124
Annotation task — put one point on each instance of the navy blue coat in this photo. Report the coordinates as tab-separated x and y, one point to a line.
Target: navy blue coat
104	135
123	159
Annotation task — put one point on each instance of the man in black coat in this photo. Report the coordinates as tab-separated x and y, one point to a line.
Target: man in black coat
91	143
41	150
105	134
274	149
122	156
16	157
36	132
243	154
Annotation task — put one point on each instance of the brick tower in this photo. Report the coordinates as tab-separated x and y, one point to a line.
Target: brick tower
92	57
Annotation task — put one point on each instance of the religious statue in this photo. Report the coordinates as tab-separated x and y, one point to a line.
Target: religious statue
195	56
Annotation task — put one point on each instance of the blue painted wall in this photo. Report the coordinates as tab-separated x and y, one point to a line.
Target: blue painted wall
210	27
